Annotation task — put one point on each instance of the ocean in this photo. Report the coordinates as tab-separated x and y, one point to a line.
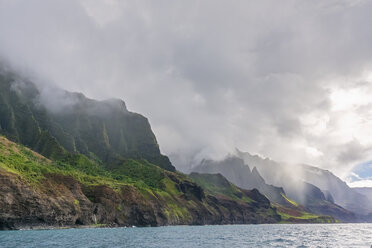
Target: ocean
279	235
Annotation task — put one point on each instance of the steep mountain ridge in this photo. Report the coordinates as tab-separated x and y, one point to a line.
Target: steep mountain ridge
70	122
295	178
234	169
342	194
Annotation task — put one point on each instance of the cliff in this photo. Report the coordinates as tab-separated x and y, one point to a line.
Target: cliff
55	122
38	192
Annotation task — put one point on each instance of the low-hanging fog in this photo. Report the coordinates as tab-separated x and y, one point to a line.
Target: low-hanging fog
290	80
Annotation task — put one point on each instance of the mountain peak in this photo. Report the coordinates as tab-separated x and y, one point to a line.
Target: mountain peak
116	103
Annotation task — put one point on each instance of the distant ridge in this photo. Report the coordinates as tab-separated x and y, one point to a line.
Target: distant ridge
237	171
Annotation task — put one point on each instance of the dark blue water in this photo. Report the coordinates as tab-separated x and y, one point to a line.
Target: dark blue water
314	235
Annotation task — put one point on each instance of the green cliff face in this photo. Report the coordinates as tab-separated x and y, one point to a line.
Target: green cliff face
69	122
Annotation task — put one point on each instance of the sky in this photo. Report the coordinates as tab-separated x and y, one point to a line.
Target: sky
290	80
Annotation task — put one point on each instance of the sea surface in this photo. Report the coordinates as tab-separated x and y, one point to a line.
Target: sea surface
291	235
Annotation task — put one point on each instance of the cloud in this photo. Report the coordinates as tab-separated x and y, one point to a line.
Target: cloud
361	183
212	75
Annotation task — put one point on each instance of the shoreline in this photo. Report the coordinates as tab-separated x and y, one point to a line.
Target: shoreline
104	226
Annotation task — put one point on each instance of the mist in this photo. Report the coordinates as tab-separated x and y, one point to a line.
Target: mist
287	80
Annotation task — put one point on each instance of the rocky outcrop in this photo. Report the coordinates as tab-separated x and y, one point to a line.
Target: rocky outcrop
61	200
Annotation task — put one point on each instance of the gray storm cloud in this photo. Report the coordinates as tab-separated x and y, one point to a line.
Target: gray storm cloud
269	77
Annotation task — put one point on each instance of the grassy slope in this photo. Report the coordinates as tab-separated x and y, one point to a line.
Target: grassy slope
216	184
148	179
297	213
33	167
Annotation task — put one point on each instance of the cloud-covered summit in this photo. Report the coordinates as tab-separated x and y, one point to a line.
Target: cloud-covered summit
286	79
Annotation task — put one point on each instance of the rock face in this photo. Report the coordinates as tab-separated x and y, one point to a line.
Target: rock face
53	122
63	201
234	169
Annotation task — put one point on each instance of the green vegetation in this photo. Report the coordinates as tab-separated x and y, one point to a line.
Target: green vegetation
302	216
216	184
179	212
148	178
33	168
298	215
290	201
152	181
99	225
139	170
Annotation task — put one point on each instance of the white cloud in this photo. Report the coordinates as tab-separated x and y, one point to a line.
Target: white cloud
361	183
289	80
